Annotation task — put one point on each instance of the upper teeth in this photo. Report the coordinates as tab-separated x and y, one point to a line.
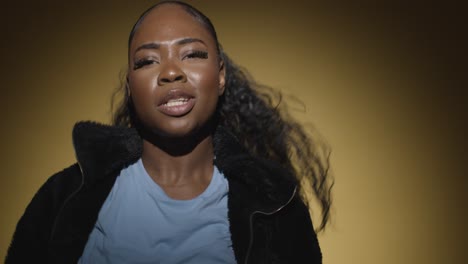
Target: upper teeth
176	102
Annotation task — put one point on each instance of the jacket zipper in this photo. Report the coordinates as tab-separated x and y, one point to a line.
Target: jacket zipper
65	203
264	213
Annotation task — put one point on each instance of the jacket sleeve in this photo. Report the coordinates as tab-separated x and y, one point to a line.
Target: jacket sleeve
300	243
31	237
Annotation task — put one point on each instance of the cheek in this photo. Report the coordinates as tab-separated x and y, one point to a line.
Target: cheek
142	92
142	85
205	79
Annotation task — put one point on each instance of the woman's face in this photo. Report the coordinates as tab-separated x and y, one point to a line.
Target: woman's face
175	77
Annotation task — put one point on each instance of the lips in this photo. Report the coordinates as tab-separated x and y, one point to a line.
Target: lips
176	103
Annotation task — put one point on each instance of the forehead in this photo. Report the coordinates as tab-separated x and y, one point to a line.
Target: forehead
167	23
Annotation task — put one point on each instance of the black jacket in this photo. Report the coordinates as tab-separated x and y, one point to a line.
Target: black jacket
268	221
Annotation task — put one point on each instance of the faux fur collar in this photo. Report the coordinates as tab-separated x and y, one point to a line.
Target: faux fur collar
103	150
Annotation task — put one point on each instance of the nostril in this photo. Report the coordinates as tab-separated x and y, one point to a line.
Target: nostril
178	78
171	74
165	80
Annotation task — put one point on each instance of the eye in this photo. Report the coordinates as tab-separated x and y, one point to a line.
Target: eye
143	62
197	54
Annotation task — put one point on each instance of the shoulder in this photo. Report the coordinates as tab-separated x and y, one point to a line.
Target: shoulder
33	229
62	182
295	225
54	191
68	177
50	196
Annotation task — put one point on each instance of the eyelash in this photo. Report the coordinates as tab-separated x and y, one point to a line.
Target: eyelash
142	63
193	55
197	54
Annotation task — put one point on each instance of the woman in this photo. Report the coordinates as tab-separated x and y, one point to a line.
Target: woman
198	167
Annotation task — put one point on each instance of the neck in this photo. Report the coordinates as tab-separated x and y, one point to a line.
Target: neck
179	161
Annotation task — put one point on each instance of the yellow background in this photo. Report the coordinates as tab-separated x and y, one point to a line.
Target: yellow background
382	83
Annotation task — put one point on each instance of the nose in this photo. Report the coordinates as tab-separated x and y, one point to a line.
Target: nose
170	73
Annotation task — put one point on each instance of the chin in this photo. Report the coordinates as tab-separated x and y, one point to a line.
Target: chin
180	127
177	129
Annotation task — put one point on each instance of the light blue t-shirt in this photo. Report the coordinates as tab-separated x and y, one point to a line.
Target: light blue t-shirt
139	223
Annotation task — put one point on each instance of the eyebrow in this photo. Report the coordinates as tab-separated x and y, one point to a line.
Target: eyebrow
155	45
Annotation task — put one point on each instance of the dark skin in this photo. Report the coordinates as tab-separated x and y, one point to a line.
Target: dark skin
175	79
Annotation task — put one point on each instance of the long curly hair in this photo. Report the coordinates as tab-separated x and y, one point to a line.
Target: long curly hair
258	116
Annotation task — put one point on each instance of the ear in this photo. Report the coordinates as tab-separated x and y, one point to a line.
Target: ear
222	77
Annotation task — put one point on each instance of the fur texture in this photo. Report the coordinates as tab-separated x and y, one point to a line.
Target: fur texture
265	214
